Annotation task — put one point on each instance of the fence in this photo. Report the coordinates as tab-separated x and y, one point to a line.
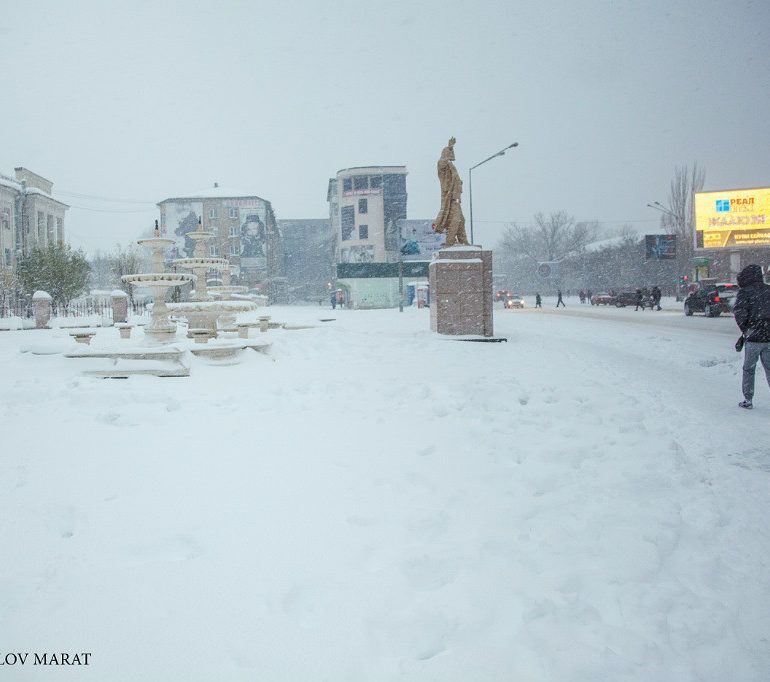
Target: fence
77	309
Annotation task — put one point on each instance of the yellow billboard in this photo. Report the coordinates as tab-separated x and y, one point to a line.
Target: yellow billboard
732	218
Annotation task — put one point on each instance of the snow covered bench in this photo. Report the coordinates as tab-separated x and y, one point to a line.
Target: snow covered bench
159	362
83	336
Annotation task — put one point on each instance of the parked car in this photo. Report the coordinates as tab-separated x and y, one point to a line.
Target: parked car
602	299
711	299
625	298
514	302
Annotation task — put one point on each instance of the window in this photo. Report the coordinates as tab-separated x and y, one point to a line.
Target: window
363	206
363	232
212	213
348	222
233	230
5	218
347	184
7	256
215	230
361	182
375	182
40	227
233	249
233	212
60	230
214	250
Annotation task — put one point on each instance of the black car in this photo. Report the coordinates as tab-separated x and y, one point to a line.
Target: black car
630	298
712	300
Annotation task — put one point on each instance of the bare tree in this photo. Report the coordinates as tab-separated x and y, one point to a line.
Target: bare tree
548	238
679	216
125	262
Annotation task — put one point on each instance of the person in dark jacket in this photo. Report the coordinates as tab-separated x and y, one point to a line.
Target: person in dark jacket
656	296
559	299
752	315
538	300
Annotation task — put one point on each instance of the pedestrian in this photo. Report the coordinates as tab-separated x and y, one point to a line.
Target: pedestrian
752	315
538	300
582	296
639	299
656	296
559	299
589	295
334	300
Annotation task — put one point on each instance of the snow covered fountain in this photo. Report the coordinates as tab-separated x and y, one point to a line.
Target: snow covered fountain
160	329
202	312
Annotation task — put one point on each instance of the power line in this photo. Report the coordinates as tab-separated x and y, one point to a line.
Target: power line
112	210
106	199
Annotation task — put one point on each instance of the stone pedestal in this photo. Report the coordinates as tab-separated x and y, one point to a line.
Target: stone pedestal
119	306
42	302
461	291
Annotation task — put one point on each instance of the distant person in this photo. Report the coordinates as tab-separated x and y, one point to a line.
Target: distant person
639	299
752	315
589	295
538	300
334	300
582	296
559	299
656	296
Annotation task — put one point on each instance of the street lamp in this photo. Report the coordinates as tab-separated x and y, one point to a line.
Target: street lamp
678	222
470	178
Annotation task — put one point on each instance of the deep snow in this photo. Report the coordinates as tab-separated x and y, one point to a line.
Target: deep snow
375	502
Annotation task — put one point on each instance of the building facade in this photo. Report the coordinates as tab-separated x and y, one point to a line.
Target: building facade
308	246
29	216
245	232
365	205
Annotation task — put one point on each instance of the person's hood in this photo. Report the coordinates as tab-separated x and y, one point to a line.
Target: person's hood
750	275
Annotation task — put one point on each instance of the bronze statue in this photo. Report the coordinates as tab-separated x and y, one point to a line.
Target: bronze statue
450	218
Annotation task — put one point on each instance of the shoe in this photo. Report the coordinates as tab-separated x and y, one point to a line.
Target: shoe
746	404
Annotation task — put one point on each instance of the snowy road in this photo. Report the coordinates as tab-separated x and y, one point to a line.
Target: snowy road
374	502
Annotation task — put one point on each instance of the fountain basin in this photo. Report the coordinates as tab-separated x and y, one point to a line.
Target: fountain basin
165	279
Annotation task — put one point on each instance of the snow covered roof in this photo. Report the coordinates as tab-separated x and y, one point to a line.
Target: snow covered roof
5	181
215	192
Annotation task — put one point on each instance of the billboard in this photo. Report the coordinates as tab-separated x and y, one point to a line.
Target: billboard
181	217
253	236
660	246
419	241
732	218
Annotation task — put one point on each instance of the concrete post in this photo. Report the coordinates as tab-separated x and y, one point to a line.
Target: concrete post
42	302
119	306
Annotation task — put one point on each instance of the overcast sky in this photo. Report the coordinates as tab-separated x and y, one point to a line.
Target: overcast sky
140	101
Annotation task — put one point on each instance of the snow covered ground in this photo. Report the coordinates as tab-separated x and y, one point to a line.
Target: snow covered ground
375	502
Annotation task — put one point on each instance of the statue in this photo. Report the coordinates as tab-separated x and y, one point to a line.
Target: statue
450	218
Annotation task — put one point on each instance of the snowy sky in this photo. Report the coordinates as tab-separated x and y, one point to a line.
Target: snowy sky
139	101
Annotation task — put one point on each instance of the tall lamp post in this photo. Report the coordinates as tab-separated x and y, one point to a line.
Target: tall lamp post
678	221
470	178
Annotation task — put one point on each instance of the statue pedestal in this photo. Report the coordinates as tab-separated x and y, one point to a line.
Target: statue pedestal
461	291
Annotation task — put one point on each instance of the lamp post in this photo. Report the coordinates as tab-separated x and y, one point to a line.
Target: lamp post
470	178
678	221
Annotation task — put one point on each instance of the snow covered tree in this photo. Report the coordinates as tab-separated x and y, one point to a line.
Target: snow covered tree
101	276
125	262
548	238
679	216
57	269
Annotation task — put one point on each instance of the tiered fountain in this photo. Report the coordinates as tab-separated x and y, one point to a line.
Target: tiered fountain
202	312
161	328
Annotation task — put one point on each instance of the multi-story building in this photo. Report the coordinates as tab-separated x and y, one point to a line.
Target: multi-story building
309	257
29	216
245	232
365	205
